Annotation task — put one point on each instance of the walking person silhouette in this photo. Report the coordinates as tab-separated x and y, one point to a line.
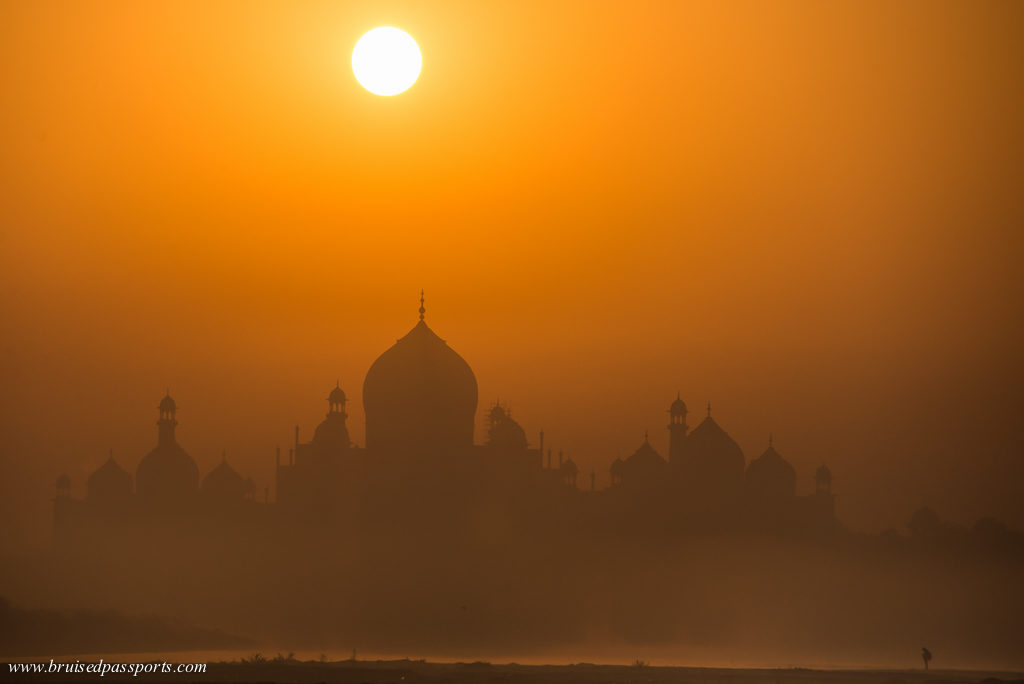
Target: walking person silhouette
926	656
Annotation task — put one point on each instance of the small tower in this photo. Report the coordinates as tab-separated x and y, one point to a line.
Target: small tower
677	429
336	401
568	471
167	421
63	486
823	481
330	438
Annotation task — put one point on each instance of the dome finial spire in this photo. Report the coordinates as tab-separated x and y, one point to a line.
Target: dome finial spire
709	409
769	439
423	309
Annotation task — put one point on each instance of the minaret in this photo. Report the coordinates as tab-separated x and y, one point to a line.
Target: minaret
336	401
167	422
677	429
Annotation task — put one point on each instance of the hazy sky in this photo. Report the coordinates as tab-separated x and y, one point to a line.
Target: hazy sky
808	214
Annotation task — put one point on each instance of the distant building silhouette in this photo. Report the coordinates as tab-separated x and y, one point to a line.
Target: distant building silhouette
420	460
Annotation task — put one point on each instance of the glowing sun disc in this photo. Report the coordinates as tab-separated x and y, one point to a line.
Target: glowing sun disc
386	61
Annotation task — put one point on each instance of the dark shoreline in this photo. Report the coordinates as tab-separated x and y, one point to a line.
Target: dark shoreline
406	671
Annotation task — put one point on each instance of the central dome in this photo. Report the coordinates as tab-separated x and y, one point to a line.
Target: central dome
420	398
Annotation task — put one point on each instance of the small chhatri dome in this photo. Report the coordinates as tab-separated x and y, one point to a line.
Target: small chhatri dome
503	432
678	406
167	404
337	395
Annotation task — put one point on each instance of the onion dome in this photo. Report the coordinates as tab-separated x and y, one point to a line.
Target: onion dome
420	396
109	483
715	456
166	475
770	475
645	456
223	483
644	465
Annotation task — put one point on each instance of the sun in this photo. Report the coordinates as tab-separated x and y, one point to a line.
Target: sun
386	61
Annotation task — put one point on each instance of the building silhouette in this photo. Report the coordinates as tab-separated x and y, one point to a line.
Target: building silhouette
421	465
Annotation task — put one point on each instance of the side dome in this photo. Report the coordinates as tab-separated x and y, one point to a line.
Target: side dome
771	476
167	477
715	460
420	397
331	435
224	484
109	484
645	466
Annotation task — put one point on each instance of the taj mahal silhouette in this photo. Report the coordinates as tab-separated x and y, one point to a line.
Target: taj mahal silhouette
420	465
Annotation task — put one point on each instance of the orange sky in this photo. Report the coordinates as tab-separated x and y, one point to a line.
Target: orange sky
807	213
